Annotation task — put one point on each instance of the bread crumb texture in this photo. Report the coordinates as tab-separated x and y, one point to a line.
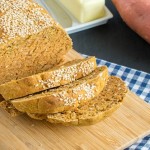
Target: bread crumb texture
101	106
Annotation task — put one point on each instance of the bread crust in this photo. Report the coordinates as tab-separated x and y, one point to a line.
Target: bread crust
67	97
54	77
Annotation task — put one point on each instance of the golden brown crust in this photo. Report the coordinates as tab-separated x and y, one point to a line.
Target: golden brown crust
67	72
29	18
67	97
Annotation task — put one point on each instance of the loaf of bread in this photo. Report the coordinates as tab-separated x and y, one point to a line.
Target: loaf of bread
67	97
97	109
31	43
30	40
54	77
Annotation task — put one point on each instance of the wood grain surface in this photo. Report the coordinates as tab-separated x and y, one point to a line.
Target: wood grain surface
129	123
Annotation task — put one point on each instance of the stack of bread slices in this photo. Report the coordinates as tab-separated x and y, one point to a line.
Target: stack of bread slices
75	93
36	83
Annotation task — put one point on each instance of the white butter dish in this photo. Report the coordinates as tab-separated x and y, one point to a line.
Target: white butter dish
62	16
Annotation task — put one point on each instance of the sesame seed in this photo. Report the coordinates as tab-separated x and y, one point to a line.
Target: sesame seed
36	85
68	74
101	74
20	18
70	99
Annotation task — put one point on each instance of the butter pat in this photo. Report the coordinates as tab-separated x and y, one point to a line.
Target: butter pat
85	10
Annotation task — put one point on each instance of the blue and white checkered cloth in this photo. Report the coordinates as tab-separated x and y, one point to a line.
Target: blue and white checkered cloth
139	83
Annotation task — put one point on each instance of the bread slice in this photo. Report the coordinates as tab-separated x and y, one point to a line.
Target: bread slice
67	97
54	77
30	40
103	105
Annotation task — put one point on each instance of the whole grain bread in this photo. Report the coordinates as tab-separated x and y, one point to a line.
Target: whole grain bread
30	40
97	109
67	97
54	77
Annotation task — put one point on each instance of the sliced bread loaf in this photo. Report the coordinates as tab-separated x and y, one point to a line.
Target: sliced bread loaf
67	97
54	77
30	40
103	105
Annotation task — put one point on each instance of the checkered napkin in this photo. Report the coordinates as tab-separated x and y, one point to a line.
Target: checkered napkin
139	83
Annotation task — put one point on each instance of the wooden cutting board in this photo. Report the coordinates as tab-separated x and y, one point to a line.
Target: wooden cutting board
129	123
